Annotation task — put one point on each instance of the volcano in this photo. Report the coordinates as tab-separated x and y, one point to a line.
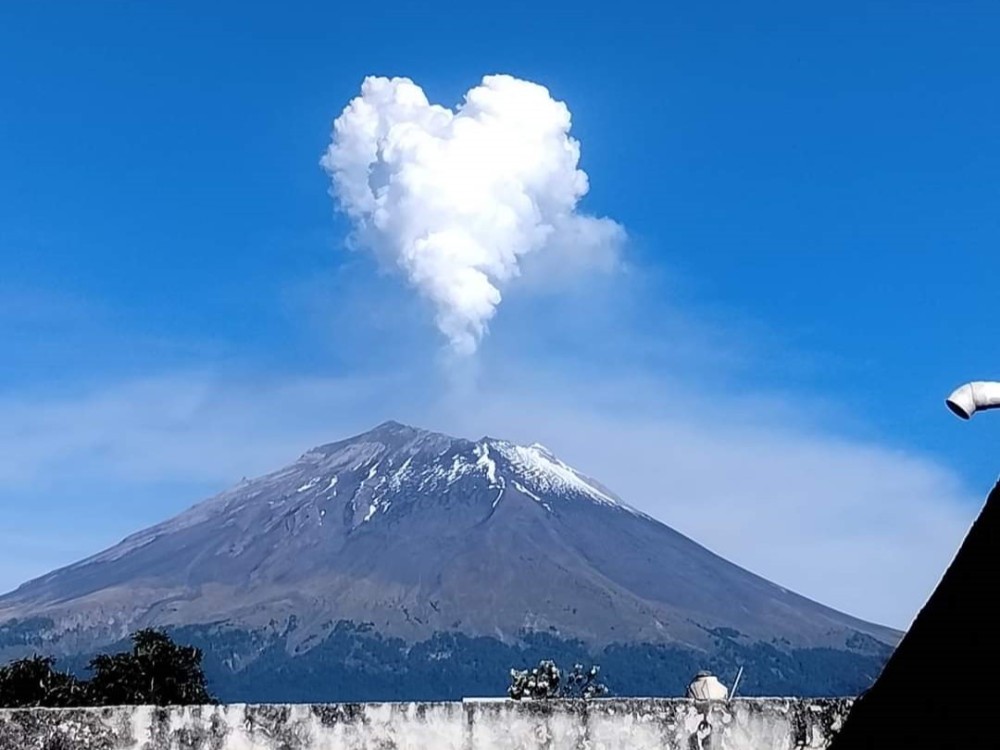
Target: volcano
432	545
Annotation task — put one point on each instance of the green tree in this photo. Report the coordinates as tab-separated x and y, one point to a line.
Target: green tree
156	672
34	682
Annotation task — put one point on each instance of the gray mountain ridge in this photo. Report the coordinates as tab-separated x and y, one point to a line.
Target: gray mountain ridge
419	533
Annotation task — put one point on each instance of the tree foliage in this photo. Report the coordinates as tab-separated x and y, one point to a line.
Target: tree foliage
583	683
156	671
546	681
34	681
354	663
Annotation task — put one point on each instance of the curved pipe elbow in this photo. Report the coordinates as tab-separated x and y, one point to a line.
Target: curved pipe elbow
972	397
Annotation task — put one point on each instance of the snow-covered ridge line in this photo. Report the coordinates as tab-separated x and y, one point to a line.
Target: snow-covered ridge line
544	473
433	463
372	469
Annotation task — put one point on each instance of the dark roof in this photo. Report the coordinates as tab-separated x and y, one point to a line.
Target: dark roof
919	701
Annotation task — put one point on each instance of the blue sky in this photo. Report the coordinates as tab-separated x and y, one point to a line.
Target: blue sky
811	203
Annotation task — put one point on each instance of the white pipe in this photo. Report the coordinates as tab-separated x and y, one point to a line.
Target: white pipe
973	397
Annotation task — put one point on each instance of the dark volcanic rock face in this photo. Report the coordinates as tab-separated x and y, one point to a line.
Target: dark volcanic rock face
419	534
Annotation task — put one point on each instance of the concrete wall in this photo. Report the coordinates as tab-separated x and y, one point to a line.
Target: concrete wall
616	724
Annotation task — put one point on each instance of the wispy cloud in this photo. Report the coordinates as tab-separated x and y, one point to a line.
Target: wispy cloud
176	427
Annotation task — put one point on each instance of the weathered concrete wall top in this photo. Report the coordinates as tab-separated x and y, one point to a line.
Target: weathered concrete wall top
615	724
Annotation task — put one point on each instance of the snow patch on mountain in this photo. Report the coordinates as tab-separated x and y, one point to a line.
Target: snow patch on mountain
486	463
539	469
394	458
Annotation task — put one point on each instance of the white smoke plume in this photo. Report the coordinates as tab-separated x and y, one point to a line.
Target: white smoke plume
455	199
